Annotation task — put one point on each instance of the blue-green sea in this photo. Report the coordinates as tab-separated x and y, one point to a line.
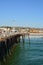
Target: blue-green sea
28	53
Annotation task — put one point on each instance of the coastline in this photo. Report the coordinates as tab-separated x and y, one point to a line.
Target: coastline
36	35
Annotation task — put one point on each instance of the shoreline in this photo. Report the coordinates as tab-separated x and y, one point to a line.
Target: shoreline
36	34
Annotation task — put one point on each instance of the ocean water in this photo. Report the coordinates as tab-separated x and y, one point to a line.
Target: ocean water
28	53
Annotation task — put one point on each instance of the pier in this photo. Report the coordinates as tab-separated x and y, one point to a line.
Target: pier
7	41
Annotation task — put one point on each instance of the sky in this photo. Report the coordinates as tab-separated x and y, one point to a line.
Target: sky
26	13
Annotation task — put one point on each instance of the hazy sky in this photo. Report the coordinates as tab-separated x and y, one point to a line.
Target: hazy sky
21	13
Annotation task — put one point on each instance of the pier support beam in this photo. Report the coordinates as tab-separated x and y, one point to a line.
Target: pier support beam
3	51
18	39
23	38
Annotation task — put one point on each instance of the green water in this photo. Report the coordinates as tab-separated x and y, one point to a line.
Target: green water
28	53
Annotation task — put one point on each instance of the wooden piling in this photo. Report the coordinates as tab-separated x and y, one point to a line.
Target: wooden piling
23	38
